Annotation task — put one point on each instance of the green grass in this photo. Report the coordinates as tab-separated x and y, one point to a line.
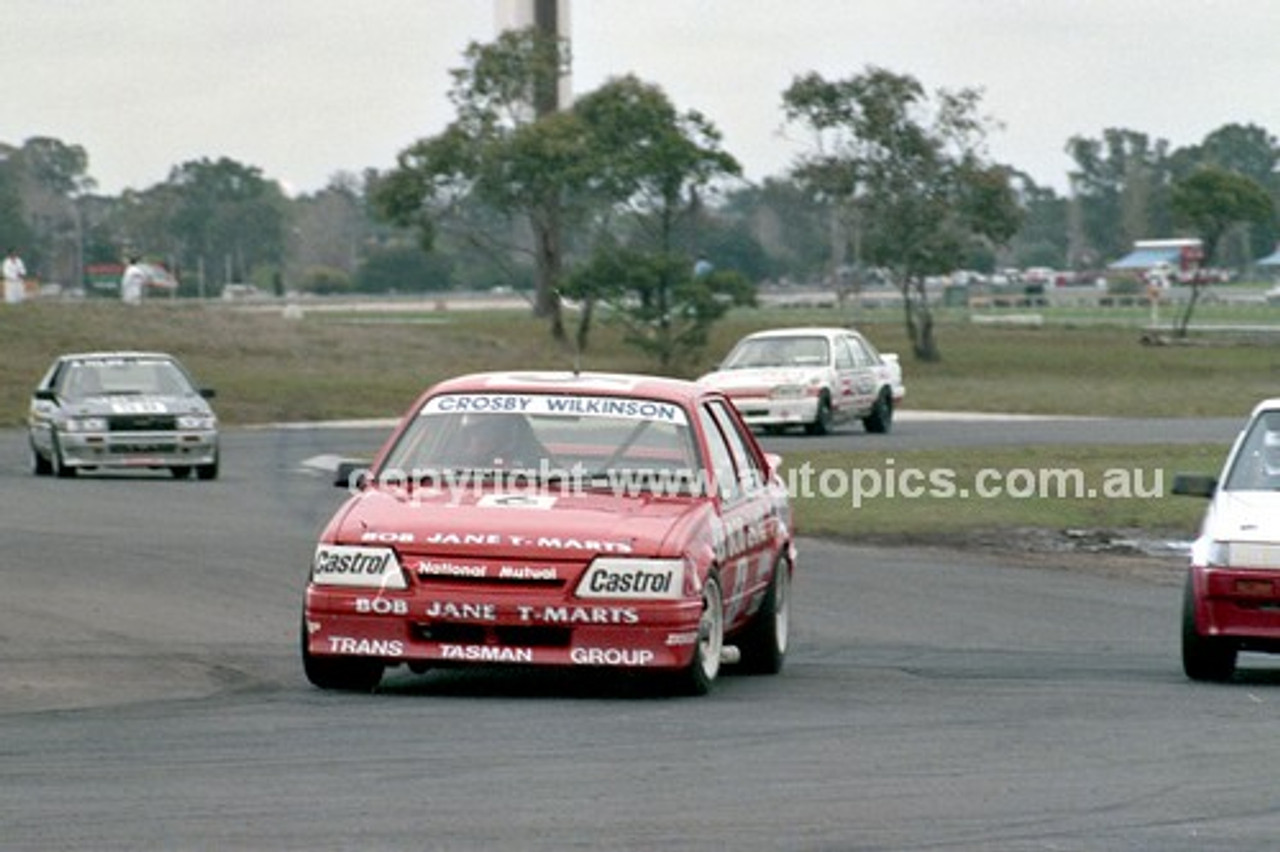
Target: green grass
873	496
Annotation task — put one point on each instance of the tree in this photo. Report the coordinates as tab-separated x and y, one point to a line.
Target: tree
910	171
649	166
226	218
500	153
1211	201
1119	186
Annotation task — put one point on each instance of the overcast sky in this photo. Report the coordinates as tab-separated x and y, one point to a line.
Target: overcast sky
303	89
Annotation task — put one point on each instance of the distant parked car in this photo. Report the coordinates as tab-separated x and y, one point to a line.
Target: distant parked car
813	378
1231	600
121	410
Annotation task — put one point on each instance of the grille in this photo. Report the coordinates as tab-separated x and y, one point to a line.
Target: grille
142	422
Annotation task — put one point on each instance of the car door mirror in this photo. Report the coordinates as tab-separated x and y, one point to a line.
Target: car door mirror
1194	485
46	395
352	475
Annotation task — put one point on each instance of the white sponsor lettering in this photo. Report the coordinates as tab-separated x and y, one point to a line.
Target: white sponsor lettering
386	537
382	606
366	647
578	614
611	656
675	640
431	568
486	654
525	572
462	611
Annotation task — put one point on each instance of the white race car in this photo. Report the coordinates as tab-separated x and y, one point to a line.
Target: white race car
810	377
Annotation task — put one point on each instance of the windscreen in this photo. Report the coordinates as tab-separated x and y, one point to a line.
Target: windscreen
123	377
1257	465
584	438
779	352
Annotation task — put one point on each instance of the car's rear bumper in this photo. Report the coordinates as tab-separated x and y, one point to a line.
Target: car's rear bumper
1238	603
499	629
138	449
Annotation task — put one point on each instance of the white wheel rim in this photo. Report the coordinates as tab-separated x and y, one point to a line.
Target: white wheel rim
711	630
782	607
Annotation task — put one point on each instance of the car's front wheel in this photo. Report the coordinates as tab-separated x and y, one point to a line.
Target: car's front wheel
350	674
705	668
1206	658
764	644
207	471
57	465
40	465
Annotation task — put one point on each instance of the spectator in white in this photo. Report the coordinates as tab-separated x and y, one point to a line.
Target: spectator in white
15	273
132	281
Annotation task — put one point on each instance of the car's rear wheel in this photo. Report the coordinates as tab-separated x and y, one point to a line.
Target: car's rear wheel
705	668
764	643
350	674
822	421
880	420
1204	657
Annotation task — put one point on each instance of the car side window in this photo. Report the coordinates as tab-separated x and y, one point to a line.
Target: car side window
750	474
864	352
845	358
720	457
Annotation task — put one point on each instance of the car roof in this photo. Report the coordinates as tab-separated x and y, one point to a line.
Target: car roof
802	331
584	384
1271	404
104	356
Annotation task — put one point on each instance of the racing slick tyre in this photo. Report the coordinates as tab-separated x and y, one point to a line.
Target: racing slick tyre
702	672
880	420
350	674
1203	657
180	471
821	424
56	464
40	465
764	643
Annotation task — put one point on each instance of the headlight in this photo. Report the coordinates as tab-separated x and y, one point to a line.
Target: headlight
86	424
1218	554
367	567
202	422
641	579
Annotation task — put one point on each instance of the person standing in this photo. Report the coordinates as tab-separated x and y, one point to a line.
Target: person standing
132	281
15	274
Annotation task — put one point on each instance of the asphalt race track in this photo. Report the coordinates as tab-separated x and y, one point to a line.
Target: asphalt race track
151	696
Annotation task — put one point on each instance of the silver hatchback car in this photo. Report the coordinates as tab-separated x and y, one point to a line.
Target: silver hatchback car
122	410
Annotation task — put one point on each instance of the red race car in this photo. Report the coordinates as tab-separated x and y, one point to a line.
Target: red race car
556	520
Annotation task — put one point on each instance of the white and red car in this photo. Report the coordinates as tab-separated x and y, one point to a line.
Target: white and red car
595	520
813	378
1231	601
